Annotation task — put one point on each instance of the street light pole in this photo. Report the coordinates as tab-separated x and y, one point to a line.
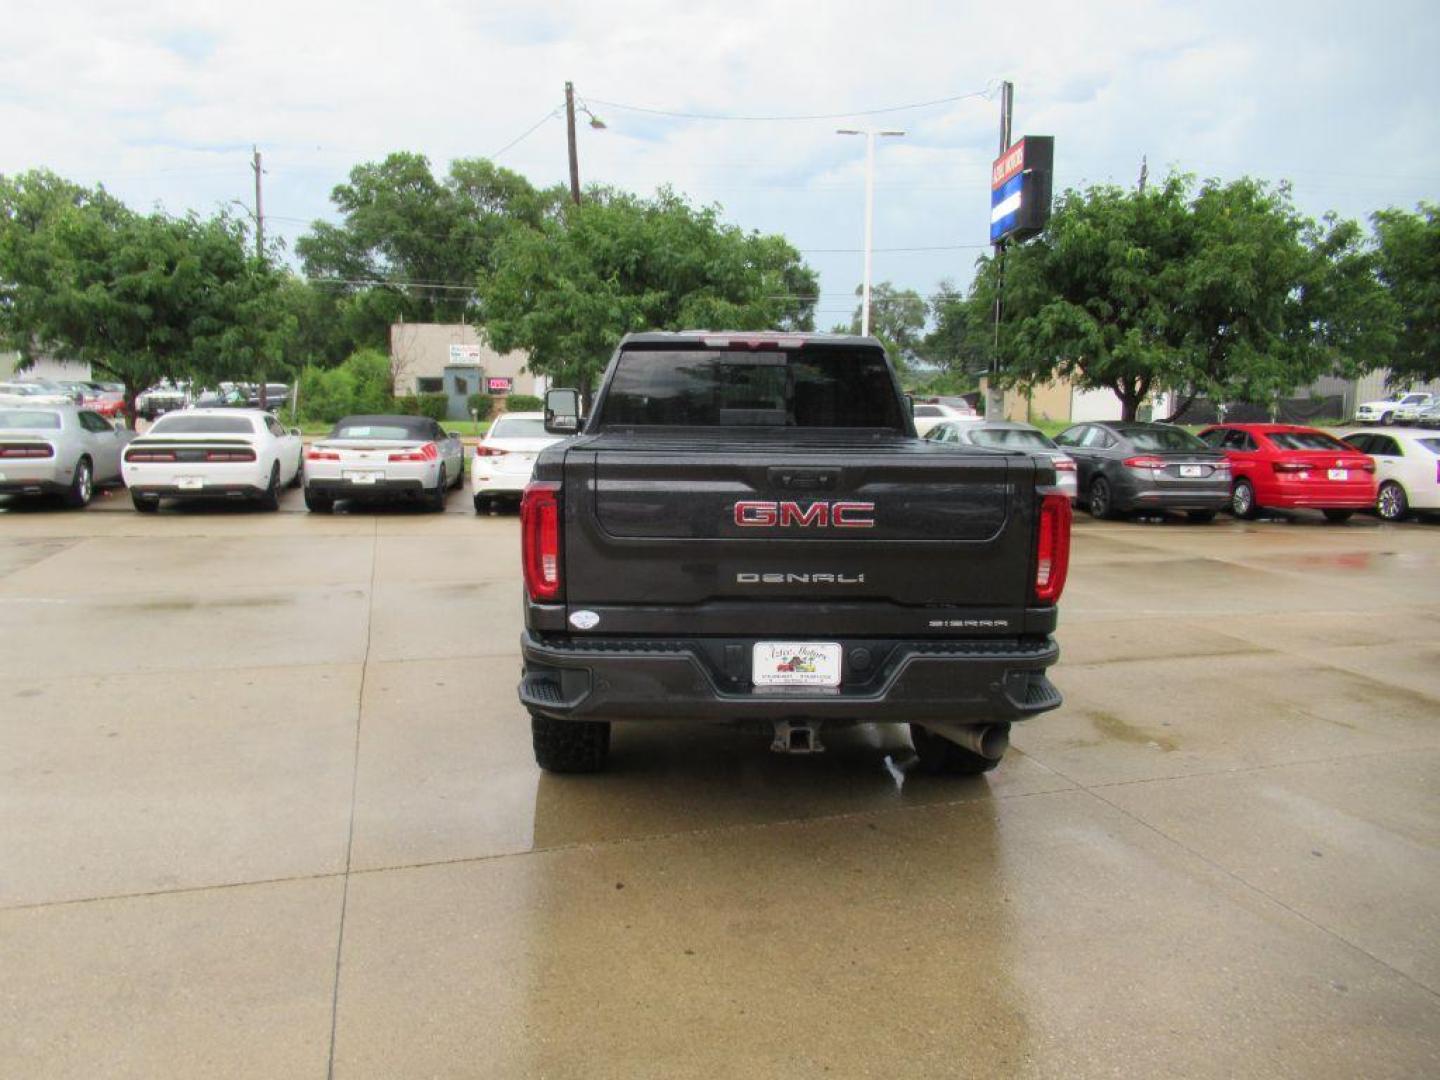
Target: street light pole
870	134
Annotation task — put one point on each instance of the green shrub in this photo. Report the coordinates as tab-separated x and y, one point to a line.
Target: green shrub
359	385
481	405
524	403
435	406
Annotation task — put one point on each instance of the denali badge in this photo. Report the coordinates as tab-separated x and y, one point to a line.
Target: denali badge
799	579
823	515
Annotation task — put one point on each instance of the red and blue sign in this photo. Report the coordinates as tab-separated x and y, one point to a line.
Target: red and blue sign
1020	189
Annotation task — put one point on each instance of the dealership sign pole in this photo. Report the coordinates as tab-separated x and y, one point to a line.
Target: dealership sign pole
1020	182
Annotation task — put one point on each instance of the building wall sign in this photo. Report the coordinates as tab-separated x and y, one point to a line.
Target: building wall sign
464	354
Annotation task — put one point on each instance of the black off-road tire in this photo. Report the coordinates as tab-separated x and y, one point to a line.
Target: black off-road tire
144	503
1200	517
1338	516
82	485
941	757
317	503
570	746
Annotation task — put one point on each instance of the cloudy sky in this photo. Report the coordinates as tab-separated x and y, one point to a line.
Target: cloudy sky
162	101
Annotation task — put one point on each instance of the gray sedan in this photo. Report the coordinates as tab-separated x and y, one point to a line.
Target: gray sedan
1134	466
57	450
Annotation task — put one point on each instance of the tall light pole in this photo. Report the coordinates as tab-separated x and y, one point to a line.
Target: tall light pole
870	134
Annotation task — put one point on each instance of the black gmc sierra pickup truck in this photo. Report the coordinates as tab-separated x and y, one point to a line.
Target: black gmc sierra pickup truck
745	529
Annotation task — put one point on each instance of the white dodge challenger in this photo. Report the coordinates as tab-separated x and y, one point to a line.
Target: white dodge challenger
212	453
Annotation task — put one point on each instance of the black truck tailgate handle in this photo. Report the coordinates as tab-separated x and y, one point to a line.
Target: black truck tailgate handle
803	479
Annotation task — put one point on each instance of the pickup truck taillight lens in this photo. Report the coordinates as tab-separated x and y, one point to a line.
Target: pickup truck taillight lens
540	539
1052	548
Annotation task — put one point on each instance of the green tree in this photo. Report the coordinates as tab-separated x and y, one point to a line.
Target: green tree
410	245
1226	291
1409	268
83	277
897	318
567	288
961	343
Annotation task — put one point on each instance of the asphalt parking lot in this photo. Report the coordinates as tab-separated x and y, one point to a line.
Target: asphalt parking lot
269	810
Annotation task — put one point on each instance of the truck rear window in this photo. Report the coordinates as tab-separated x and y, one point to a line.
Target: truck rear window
813	388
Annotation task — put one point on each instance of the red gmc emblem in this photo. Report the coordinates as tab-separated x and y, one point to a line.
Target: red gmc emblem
823	515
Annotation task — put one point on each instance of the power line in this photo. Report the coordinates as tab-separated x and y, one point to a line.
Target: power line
985	93
526	133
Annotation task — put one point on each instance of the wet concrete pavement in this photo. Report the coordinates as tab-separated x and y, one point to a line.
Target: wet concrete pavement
269	809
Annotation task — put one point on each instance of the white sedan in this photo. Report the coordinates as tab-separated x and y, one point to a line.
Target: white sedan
505	457
213	453
373	458
930	413
1407	469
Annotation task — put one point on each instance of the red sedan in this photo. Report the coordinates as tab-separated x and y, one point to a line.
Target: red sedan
1286	467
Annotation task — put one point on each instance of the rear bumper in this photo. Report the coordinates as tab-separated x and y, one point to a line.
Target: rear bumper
390	488
37	486
1208	497
209	491
707	680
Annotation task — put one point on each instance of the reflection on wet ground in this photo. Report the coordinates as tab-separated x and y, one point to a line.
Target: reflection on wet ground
266	773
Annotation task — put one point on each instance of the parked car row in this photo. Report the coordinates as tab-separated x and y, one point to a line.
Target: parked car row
1111	468
1400	408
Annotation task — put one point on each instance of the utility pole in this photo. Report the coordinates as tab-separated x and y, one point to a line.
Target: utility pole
994	396
259	207
570	137
259	242
1144	172
870	135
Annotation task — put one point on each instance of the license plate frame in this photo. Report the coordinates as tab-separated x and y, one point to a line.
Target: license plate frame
363	476
1339	474
1192	472
796	663
189	483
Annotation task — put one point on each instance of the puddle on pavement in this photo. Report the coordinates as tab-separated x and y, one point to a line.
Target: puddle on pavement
1112	727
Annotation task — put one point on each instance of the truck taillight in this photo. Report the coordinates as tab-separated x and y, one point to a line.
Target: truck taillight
540	539
1052	548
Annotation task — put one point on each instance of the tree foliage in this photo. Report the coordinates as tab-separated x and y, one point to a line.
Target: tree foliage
410	245
897	318
1409	265
1225	291
567	287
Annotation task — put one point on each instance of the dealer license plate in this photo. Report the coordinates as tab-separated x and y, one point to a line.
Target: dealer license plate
189	483
1191	470
1339	474
363	476
796	663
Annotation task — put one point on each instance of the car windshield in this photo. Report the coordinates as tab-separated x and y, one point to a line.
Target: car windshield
1304	440
1012	437
516	428
372	431
806	388
1161	438
202	425
31	419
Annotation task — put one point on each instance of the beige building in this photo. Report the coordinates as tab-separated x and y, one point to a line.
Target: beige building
453	359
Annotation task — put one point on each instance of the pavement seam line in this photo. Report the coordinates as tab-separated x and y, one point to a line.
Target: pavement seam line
354	789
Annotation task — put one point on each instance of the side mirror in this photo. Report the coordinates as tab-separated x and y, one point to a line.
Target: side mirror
562	412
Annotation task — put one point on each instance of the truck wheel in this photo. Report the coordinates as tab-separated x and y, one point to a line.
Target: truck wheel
940	756
570	746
